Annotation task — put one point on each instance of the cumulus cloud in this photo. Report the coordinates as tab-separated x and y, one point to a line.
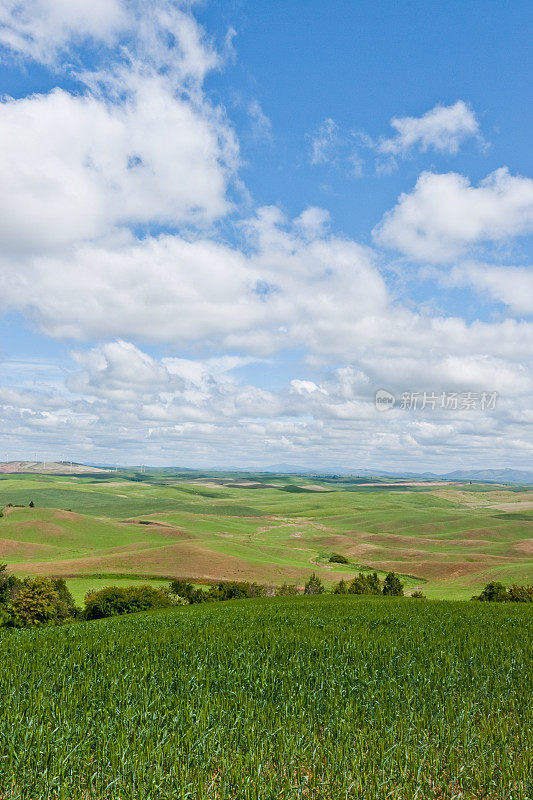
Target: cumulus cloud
110	200
160	34
306	387
118	370
38	28
512	286
183	411
296	283
443	129
444	215
76	166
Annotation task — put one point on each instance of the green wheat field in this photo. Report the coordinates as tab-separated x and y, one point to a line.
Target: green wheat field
308	697
324	698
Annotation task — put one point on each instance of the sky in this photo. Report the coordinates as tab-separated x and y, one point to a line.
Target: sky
246	233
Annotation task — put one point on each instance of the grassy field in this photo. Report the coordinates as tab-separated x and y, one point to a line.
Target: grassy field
449	538
311	697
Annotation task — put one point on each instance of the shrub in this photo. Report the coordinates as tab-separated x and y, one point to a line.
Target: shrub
495	592
124	600
234	590
314	585
520	594
341	587
338	558
175	599
365	584
32	504
67	607
182	588
7	584
35	601
392	585
286	590
419	595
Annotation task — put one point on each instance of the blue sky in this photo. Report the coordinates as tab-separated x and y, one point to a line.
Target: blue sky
225	226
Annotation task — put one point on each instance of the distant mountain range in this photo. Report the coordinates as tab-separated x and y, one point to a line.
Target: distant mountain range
481	475
491	475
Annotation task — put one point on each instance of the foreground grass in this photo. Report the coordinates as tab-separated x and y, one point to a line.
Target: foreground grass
325	697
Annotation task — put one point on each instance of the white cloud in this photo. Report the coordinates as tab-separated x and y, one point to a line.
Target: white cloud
306	387
76	166
324	142
296	284
141	145
512	286
38	28
261	124
142	148
181	411
445	215
119	370
443	128
160	34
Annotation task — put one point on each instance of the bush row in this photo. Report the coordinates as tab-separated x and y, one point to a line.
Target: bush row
47	601
495	592
371	584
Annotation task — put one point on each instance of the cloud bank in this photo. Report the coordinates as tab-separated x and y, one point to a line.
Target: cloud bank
125	226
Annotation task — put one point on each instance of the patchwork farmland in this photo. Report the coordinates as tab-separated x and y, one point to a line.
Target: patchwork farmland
450	538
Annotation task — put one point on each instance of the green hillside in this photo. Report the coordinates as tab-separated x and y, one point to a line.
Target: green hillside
450	538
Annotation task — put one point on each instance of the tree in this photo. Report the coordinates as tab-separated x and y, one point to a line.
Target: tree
341	587
7	585
374	583
314	585
520	594
494	592
358	585
32	504
365	584
337	558
67	607
7	582
35	602
182	588
392	585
